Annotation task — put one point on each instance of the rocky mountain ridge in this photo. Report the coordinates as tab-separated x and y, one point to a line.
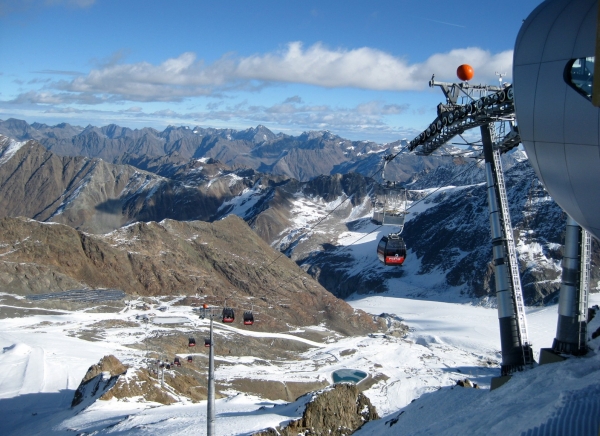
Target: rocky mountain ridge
301	157
450	238
449	248
95	196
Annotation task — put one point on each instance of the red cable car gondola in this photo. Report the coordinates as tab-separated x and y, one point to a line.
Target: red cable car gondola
189	359
228	315
191	342
176	362
248	318
392	250
207	342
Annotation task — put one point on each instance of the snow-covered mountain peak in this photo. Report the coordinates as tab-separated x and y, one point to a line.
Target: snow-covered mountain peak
8	148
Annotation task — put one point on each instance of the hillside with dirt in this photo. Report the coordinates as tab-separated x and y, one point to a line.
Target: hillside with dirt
214	263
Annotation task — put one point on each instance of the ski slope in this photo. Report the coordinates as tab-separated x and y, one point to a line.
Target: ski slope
43	362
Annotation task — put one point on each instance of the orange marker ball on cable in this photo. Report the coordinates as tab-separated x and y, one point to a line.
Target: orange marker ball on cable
465	72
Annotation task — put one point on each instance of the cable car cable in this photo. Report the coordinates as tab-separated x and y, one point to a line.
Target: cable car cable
388	158
419	201
311	229
378	227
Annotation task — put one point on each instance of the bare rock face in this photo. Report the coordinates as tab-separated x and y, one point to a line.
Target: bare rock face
96	196
466	383
338	411
109	364
139	384
99	379
110	379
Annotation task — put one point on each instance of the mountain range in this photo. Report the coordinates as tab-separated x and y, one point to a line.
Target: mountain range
447	235
302	157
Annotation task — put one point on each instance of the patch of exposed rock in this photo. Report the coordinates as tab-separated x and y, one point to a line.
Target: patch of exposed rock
109	364
109	379
337	411
140	384
466	383
98	380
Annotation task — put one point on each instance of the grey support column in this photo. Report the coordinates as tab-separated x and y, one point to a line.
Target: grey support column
210	404
515	351
572	303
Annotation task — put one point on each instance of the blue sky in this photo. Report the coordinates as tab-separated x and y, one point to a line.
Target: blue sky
357	68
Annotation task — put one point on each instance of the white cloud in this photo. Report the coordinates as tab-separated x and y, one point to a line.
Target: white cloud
483	62
134	109
185	76
366	68
50	97
173	80
359	68
294	99
377	108
168	113
300	116
304	117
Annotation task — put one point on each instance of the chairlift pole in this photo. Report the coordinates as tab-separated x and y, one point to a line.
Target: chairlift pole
162	373
210	405
146	340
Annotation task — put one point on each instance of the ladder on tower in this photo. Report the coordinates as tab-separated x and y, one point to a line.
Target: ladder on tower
512	257
584	283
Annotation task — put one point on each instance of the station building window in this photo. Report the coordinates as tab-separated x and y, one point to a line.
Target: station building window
579	75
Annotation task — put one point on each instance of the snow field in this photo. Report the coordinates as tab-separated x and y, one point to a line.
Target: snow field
561	398
44	361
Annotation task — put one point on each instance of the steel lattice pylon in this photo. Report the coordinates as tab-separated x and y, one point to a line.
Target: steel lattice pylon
494	113
495	105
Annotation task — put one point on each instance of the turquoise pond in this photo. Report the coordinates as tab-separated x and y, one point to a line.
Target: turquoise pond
348	375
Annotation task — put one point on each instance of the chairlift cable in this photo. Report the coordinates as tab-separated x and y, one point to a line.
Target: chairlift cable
419	201
388	158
